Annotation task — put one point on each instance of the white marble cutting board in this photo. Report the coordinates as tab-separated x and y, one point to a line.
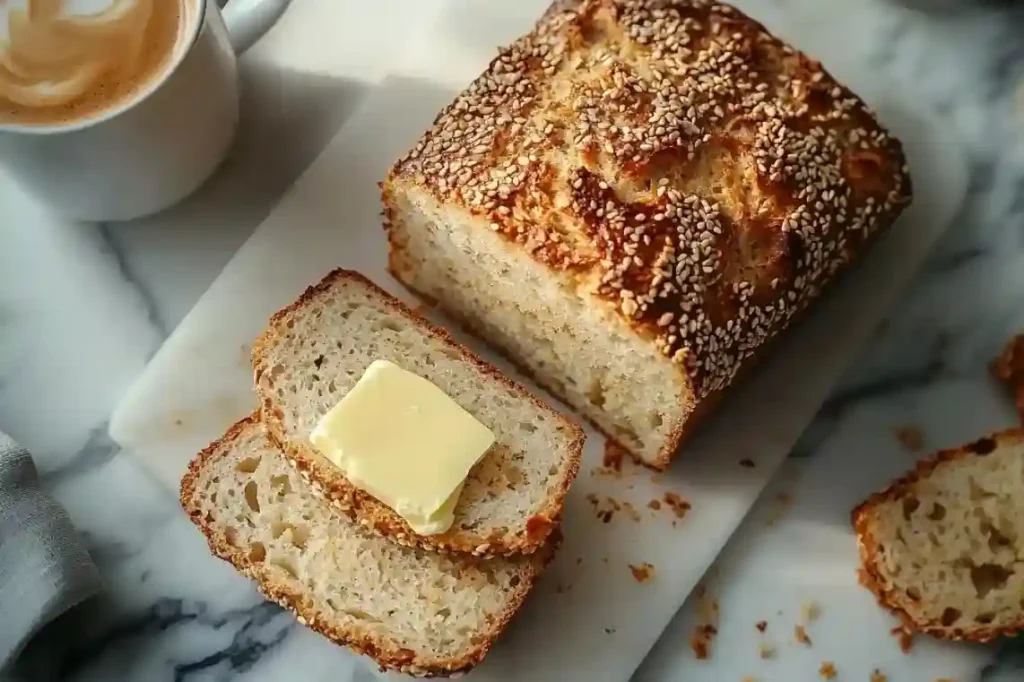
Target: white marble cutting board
590	619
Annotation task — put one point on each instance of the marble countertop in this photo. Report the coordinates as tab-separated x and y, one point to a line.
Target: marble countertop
83	307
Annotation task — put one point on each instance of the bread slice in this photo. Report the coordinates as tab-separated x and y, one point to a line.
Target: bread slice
418	612
316	349
633	221
943	547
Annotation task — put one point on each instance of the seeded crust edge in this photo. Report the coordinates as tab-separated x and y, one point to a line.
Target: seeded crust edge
367	510
871	575
386	654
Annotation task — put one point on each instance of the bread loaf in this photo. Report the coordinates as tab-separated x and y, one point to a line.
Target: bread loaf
634	199
942	546
315	350
417	612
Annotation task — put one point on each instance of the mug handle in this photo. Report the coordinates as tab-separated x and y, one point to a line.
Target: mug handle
248	20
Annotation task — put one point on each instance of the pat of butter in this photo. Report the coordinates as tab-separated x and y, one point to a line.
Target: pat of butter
401	439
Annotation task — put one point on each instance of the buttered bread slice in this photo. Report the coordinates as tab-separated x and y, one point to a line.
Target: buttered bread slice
317	349
423	613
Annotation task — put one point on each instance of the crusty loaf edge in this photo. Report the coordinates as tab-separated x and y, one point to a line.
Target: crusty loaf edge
367	510
702	407
383	652
868	546
682	430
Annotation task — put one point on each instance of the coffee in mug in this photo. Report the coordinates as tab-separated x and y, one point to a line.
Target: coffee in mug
67	61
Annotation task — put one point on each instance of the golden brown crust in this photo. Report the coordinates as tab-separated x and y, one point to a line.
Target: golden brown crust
671	160
370	512
1009	369
387	654
868	545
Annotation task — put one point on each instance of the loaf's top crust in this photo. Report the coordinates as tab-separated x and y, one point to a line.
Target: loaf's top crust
674	161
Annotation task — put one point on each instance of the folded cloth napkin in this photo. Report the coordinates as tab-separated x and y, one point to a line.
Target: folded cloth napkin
44	566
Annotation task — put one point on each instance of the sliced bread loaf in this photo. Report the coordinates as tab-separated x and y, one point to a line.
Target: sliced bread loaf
943	547
418	612
317	349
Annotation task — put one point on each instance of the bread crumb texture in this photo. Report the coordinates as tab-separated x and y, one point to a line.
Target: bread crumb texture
878	676
642	573
827	671
810	611
800	635
942	546
676	161
1009	369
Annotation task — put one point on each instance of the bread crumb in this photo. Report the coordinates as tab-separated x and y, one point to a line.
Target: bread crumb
766	650
1009	369
700	642
654	504
747	462
604	507
761	625
878	676
677	504
642	573
810	611
827	671
631	512
905	638
749	679
911	438
614	454
801	635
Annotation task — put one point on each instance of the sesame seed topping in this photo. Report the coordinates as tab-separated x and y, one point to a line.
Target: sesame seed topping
708	179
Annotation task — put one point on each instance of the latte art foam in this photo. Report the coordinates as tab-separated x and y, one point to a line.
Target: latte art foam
58	65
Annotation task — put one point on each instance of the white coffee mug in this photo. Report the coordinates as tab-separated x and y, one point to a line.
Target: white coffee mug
158	146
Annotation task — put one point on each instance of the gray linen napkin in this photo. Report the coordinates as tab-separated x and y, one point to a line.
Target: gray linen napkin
44	567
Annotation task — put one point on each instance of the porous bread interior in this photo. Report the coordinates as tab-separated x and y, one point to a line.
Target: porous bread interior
440	607
951	548
324	349
570	344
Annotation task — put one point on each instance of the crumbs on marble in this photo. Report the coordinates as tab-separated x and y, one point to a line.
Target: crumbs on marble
766	650
810	611
761	626
747	463
801	636
707	626
642	573
701	640
827	671
749	679
677	504
904	637
878	676
910	437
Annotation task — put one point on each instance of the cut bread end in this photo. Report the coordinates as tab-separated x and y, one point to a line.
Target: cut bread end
943	546
316	349
416	612
572	344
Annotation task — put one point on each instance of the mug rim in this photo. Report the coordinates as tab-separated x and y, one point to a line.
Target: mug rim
188	42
